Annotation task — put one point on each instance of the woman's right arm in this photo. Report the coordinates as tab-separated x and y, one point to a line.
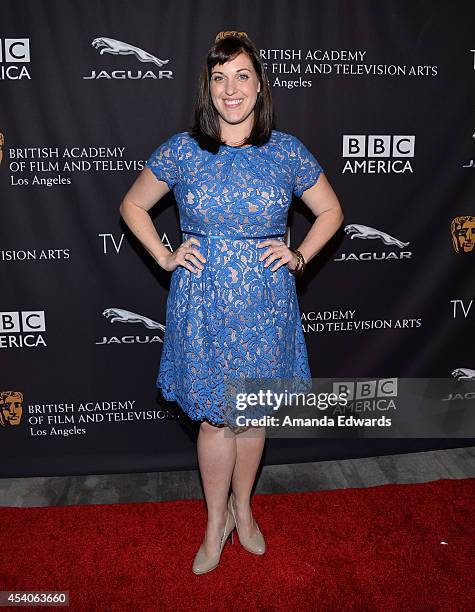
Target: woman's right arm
145	192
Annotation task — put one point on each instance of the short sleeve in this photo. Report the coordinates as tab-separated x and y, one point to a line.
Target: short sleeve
164	162
307	168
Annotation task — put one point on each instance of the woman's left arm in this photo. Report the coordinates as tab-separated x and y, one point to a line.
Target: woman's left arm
323	202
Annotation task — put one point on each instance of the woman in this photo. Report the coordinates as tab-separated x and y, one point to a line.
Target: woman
232	310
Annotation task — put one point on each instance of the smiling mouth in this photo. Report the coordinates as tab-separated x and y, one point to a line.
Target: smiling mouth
233	103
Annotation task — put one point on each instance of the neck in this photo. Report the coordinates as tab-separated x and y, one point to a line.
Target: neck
233	140
235	135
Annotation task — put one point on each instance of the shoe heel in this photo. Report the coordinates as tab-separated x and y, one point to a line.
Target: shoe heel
256	544
203	564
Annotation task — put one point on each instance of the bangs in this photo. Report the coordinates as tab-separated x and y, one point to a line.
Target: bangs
226	50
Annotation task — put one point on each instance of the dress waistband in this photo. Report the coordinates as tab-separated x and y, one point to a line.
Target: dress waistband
231	235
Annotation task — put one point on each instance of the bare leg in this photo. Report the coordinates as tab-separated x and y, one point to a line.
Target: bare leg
249	447
216	459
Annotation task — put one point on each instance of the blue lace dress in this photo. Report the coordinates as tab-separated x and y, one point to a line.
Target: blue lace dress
235	318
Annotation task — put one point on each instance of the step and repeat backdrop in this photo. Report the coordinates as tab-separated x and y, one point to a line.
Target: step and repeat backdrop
381	93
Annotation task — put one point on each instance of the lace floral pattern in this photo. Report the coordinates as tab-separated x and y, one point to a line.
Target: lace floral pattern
235	318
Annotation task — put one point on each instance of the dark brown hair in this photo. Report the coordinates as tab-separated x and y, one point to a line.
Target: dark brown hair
206	128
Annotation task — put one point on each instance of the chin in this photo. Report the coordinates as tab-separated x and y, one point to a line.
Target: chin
234	117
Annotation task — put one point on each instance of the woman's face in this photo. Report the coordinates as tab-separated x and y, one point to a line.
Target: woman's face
234	86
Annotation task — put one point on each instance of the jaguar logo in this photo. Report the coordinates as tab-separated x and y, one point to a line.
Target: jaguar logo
365	232
356	230
125	316
119	315
464	373
117	47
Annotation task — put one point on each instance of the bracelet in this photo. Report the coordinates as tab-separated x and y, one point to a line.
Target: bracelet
301	263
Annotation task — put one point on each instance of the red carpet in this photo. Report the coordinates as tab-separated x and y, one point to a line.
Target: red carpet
377	548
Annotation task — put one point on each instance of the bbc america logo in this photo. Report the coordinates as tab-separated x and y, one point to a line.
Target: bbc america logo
14	54
378	154
22	329
14	50
378	146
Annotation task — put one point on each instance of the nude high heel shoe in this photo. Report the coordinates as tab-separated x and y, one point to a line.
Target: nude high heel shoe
202	563
256	544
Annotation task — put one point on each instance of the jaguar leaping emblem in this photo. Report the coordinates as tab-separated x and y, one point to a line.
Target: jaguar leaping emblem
117	47
125	316
355	230
464	373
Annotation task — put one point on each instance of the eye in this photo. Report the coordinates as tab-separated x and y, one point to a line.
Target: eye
246	76
216	77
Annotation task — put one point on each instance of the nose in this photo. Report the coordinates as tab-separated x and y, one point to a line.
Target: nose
230	87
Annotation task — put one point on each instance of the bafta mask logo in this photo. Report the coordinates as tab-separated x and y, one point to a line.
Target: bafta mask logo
11	408
2	142
462	230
